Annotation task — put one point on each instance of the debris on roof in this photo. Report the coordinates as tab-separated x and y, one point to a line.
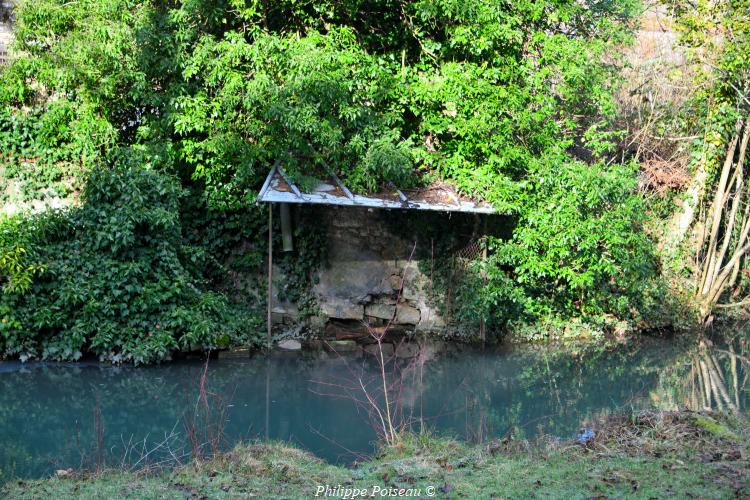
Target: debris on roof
278	188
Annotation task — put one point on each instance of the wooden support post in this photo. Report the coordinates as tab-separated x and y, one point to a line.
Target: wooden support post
270	274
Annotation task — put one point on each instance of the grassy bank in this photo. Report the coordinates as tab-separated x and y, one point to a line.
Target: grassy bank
651	455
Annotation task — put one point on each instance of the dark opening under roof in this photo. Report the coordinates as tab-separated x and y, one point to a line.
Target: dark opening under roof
278	188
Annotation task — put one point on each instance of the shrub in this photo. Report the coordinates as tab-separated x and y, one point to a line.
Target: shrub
579	248
16	270
118	282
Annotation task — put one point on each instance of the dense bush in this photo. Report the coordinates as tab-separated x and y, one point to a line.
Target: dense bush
579	248
36	152
113	278
314	98
16	268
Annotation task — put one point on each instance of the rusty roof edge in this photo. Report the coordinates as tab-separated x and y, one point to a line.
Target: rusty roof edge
267	182
270	195
362	201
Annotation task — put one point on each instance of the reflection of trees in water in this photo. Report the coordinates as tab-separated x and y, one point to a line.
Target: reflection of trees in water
536	390
467	394
708	383
47	414
708	377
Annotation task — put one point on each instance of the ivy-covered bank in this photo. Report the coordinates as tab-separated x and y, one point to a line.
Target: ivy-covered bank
134	136
113	277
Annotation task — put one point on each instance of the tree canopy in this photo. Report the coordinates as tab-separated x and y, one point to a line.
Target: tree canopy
470	91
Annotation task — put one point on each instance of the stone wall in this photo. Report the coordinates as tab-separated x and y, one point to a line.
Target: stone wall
366	265
367	261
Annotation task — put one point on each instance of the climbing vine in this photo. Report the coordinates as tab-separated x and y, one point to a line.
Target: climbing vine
299	267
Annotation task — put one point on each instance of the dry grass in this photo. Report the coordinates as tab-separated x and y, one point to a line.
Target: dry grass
712	436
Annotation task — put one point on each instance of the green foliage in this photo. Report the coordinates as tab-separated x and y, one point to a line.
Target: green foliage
299	268
486	292
491	97
509	86
310	99
118	280
16	271
228	247
579	248
470	92
384	162
37	159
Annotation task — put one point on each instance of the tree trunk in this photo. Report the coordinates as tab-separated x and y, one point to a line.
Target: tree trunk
724	247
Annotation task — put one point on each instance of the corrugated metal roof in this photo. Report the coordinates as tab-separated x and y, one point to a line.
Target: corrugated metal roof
278	188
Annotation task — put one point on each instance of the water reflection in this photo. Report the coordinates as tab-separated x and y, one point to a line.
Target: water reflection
57	416
710	376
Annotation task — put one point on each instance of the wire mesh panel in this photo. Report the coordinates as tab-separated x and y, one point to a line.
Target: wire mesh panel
471	252
461	261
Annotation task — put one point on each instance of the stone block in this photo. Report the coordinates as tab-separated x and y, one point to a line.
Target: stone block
430	319
373	349
314	345
411	282
381	311
352	275
342	309
234	354
345	332
410	293
317	323
342	346
289	345
407	315
395	281
406	350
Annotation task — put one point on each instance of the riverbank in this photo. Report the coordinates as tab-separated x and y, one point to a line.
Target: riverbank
650	455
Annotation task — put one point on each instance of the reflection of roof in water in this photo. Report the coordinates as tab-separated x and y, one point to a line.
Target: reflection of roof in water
278	188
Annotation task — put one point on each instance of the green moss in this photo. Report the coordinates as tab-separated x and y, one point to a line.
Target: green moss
715	428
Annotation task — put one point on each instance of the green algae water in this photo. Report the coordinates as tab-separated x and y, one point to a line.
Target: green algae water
59	416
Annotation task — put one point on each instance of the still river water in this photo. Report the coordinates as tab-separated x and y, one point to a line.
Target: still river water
55	416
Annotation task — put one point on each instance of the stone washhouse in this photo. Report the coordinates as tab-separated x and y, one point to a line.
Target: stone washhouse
361	282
